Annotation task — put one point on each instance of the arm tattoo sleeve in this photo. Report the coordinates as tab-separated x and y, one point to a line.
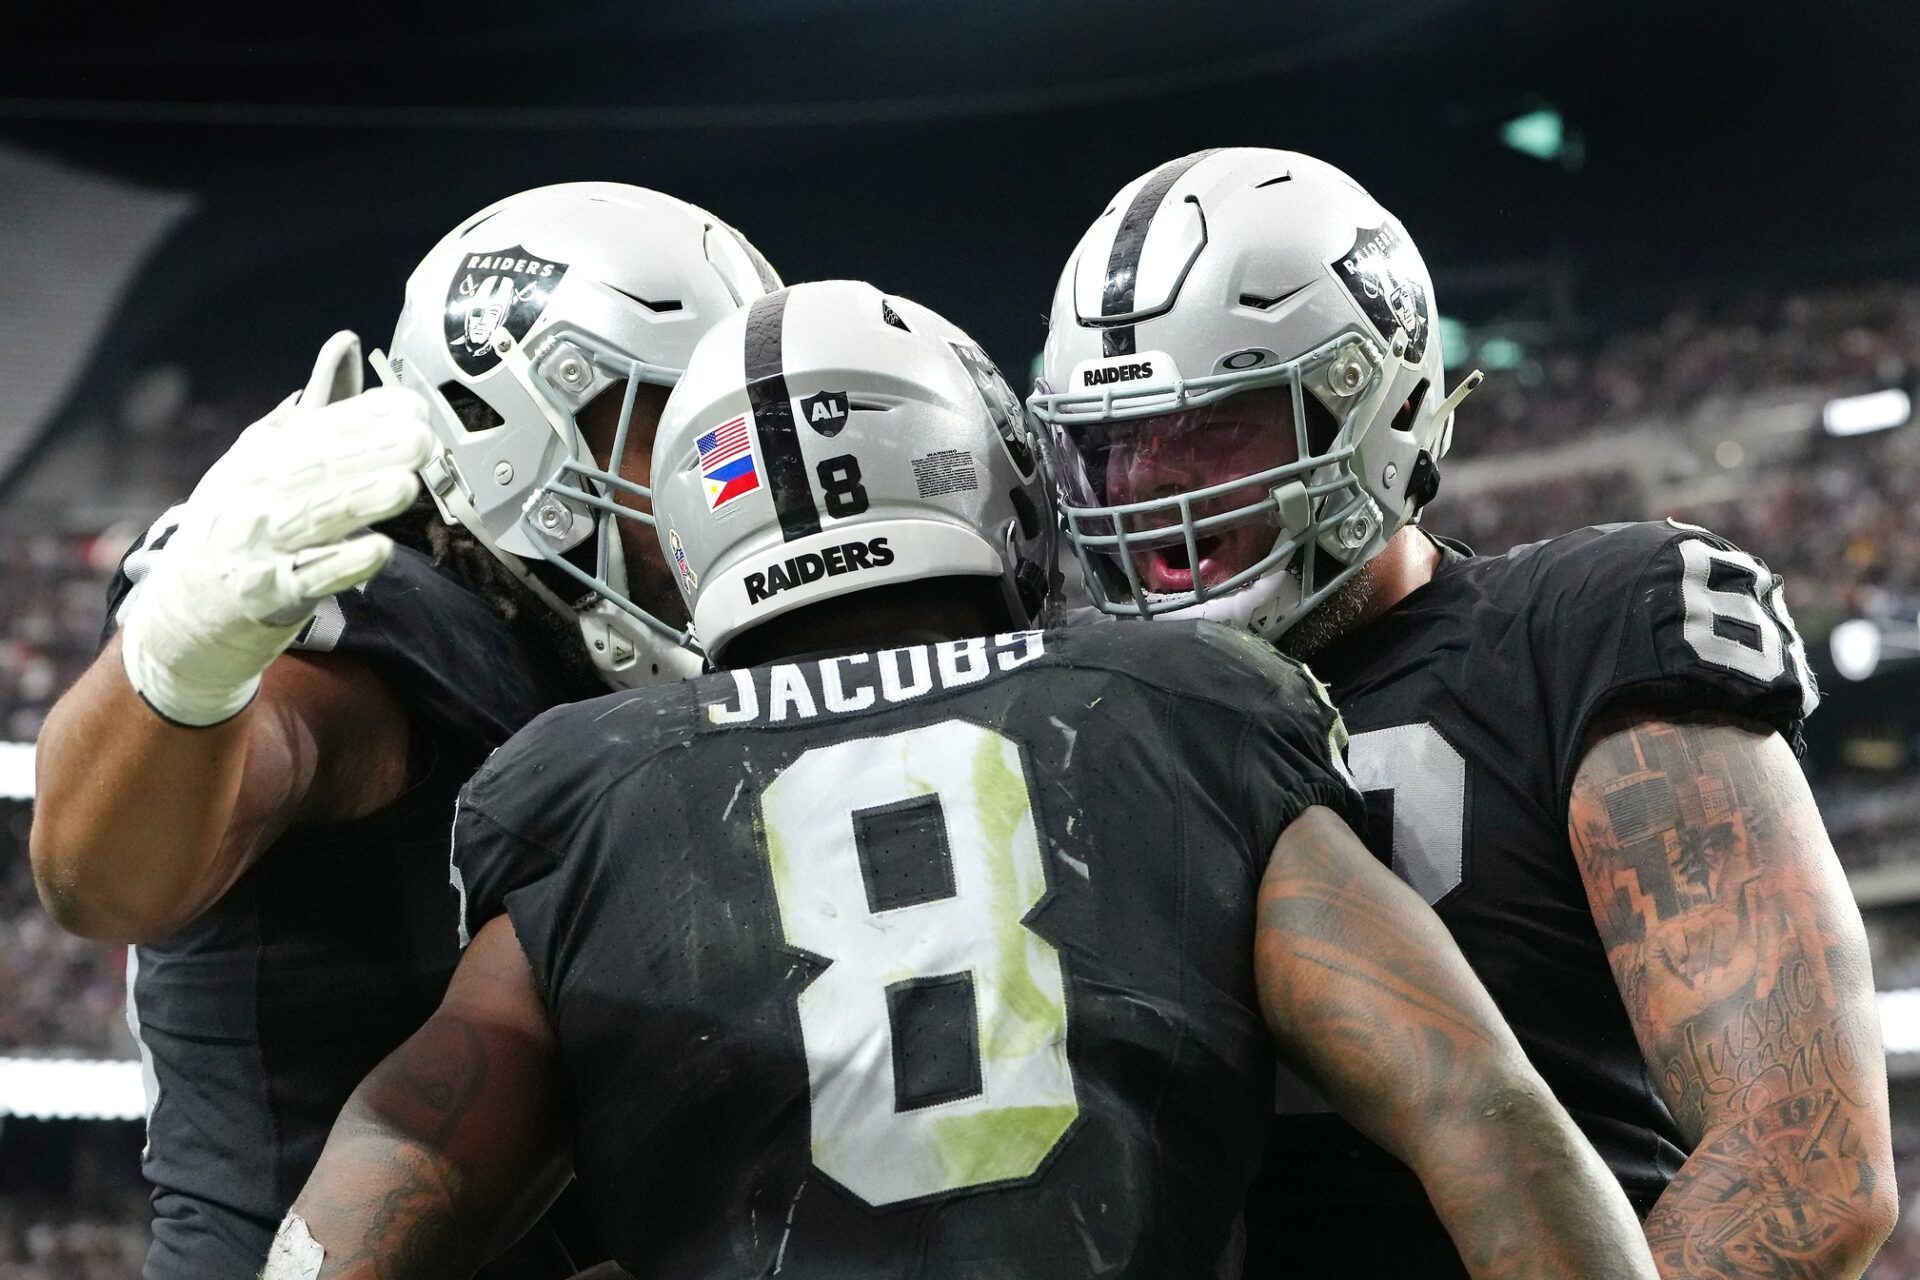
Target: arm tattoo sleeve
1368	996
1742	962
453	1145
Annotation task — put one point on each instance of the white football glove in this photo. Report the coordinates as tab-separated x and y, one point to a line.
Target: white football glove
265	537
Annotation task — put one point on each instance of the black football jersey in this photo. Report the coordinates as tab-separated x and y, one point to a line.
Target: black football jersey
1468	704
257	1020
934	962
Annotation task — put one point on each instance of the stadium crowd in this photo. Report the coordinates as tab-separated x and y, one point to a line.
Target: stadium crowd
1697	359
1842	521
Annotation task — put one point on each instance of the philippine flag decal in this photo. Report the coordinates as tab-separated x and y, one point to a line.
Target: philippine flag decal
727	464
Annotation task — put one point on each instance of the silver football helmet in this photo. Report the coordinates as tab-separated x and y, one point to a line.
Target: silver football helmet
1242	389
829	438
513	324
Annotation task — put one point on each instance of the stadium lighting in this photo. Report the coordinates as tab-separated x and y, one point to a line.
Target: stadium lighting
71	1089
1453	341
1501	353
16	771
1900	1021
1874	411
1544	135
1856	648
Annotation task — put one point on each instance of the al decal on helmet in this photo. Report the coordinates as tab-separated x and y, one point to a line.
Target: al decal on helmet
493	293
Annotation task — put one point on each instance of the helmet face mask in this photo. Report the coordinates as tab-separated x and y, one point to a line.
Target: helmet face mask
1241	377
1250	485
604	284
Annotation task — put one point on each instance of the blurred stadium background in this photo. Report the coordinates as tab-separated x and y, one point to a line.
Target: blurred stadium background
1681	241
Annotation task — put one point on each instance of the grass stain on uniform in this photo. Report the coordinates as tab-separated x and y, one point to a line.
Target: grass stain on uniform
992	1146
1030	1017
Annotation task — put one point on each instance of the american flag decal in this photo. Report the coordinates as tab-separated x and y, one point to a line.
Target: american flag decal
727	464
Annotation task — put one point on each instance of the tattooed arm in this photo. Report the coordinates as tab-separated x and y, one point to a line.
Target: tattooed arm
1370	1000
450	1149
1742	960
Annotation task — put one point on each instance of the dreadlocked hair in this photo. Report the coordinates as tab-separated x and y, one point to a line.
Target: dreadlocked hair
547	637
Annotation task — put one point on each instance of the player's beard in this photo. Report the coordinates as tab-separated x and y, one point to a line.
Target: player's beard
1350	605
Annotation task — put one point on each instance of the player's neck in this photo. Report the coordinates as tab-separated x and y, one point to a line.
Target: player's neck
911	613
1407	563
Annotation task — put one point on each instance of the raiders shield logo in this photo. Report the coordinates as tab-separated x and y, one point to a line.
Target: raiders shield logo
1390	286
1009	416
494	293
826	412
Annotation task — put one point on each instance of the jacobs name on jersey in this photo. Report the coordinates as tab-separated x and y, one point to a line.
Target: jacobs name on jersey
832	947
856	681
1468	704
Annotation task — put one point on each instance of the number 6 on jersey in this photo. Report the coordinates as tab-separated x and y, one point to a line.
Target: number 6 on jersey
936	1038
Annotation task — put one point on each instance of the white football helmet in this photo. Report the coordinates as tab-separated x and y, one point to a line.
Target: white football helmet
516	321
1242	389
830	438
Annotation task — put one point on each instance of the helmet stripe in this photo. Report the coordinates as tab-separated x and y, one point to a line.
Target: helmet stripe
773	418
1123	261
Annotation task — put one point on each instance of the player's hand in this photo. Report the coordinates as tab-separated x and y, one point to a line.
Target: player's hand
268	533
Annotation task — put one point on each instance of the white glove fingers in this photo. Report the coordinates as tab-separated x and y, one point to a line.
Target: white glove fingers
313	575
356	448
331	510
336	371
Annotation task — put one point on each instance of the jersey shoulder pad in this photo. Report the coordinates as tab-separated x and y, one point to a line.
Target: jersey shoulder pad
531	806
1259	717
551	774
1664	617
1204	660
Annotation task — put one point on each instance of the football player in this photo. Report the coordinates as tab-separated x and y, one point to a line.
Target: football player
255	779
927	948
1581	752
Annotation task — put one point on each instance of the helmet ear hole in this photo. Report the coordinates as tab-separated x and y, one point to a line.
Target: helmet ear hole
1028	514
474	413
1403	420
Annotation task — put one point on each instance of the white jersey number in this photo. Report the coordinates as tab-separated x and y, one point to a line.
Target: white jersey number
1427	778
941	953
1736	626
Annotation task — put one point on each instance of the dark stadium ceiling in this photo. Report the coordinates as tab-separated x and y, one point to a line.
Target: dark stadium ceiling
953	152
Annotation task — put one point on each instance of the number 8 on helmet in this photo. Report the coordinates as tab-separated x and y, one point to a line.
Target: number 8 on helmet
830	438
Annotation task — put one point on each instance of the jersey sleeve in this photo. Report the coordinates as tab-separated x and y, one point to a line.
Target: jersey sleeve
513	822
1665	618
538	807
1290	749
444	652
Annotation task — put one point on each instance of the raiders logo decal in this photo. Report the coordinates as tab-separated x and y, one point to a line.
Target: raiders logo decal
1009	415
492	293
826	412
1390	286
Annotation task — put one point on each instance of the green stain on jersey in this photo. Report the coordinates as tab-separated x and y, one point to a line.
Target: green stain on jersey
992	1146
1030	1017
778	861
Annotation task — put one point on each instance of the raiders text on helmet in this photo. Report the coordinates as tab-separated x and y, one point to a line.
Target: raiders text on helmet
516	321
830	438
1225	294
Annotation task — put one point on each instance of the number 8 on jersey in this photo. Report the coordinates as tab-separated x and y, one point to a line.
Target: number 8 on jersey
936	1037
